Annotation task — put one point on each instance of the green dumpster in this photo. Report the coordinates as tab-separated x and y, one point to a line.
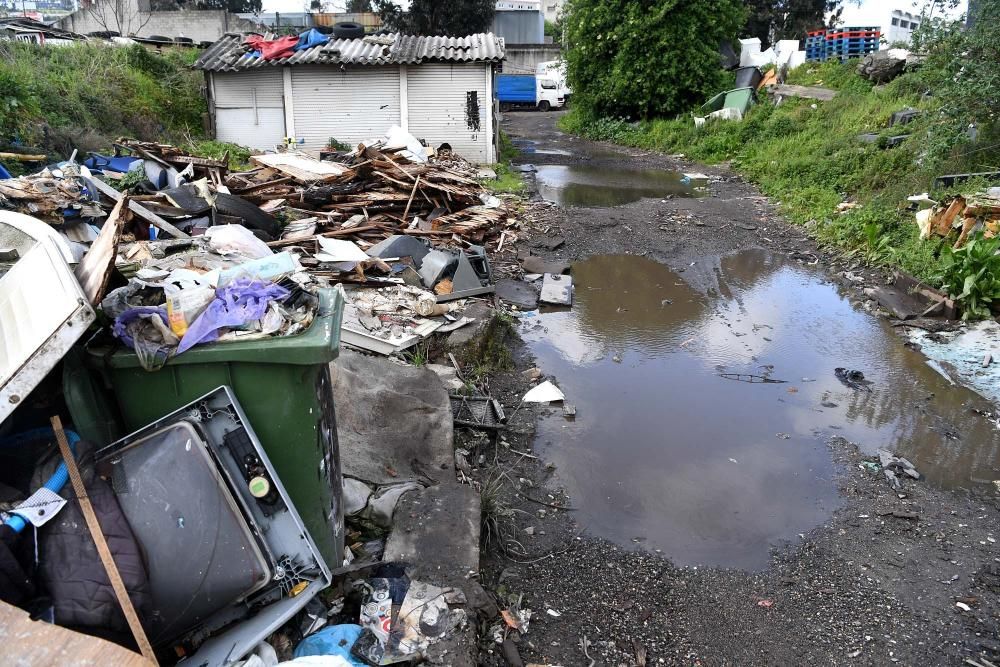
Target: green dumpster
738	98
284	387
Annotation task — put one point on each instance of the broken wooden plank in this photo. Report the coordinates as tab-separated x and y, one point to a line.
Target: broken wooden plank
41	643
139	209
302	167
94	270
20	157
807	92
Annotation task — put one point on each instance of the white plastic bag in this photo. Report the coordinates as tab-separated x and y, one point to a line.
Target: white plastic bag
229	239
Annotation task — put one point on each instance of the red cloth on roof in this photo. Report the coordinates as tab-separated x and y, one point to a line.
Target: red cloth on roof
273	49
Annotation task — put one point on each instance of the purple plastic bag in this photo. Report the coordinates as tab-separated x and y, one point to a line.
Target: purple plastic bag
237	303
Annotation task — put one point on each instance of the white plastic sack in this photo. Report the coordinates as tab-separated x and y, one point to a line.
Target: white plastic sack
397	137
229	239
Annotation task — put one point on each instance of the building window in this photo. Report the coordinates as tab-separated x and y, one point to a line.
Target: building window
914	26
904	25
895	21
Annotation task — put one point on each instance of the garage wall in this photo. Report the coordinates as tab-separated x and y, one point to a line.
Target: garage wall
249	108
351	105
441	109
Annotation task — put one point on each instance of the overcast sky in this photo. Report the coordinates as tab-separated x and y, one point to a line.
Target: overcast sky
871	12
876	12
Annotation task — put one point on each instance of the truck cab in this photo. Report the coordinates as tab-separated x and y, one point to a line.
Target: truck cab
555	71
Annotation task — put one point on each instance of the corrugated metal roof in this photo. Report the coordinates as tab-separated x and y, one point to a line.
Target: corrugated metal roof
229	54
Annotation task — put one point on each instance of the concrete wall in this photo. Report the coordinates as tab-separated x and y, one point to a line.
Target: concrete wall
200	25
519	26
523	58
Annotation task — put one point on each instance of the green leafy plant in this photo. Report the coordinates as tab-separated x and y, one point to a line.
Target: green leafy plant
878	245
335	144
971	276
419	356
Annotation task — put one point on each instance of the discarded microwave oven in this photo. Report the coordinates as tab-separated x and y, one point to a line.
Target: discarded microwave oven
228	556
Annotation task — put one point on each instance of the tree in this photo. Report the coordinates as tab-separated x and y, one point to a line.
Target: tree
125	17
771	20
234	6
359	6
646	58
456	18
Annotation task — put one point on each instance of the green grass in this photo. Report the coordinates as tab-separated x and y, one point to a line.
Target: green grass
810	159
85	95
507	181
239	156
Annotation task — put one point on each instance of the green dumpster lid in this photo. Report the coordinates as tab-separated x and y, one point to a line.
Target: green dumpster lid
319	344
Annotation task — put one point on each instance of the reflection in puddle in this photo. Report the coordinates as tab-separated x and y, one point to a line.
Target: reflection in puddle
666	452
595	186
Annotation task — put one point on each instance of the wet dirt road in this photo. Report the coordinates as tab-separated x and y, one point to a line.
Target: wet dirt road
674	466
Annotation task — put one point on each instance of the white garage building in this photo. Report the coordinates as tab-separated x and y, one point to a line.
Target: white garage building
440	89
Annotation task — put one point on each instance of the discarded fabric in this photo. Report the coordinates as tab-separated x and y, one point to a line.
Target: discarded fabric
235	305
146	330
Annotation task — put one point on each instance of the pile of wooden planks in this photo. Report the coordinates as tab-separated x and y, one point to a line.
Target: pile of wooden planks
371	194
964	214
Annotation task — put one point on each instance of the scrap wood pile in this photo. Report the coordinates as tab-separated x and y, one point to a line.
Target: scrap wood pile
962	215
370	195
386	215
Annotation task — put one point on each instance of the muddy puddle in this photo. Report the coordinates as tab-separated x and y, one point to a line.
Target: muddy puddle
594	186
667	454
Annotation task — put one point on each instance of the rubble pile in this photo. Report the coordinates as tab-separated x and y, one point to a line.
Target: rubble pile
964	215
219	298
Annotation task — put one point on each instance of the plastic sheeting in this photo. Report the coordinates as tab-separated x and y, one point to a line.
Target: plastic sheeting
235	305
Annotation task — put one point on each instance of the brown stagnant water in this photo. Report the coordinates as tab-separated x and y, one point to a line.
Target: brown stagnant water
594	186
666	454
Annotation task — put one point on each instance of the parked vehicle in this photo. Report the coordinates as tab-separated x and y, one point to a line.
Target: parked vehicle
556	70
528	90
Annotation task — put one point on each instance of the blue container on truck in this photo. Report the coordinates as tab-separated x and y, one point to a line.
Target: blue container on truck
516	89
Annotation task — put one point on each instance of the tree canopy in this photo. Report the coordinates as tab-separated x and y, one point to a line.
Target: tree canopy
771	20
644	58
437	17
359	6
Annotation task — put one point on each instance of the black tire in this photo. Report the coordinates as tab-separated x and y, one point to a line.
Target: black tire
544	105
253	217
504	107
183	40
159	38
324	29
348	30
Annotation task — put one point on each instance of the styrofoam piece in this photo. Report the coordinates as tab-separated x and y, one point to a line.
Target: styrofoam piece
546	392
557	289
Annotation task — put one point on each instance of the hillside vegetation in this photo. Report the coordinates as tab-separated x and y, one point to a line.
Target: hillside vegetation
83	96
808	155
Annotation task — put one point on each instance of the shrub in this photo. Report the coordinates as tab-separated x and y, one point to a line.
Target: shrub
635	59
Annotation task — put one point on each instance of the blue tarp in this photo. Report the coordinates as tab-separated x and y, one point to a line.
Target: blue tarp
311	38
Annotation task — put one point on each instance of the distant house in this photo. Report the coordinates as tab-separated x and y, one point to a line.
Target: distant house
440	89
901	26
519	21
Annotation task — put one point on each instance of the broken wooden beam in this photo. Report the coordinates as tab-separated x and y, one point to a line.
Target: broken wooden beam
139	209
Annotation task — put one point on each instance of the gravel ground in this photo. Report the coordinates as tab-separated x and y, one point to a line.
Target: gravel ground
907	577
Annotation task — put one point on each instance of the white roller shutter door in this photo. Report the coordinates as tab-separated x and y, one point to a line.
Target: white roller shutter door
249	108
443	109
350	105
